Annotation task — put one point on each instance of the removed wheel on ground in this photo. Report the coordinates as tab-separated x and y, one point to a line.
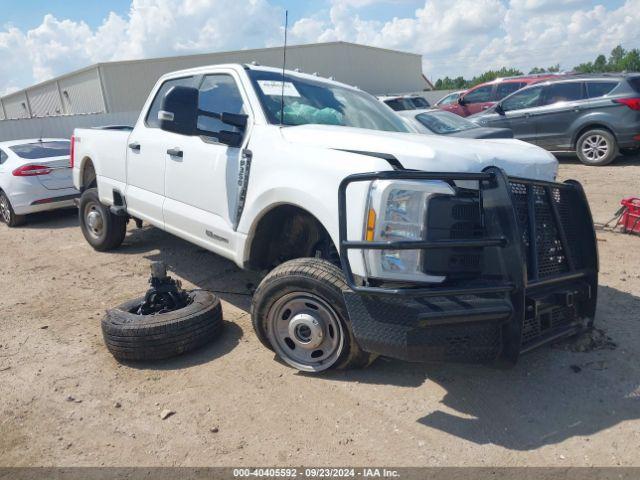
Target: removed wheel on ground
597	147
7	215
133	336
298	311
101	228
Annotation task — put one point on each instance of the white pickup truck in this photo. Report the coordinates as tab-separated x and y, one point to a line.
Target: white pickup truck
378	241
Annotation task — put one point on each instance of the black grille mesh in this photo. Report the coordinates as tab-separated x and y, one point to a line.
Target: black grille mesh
550	253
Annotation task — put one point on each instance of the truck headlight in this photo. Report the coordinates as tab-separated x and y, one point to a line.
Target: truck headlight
397	211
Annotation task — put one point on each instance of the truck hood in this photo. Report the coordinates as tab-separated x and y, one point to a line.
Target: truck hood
432	153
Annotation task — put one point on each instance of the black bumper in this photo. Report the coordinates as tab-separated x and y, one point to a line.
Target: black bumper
533	279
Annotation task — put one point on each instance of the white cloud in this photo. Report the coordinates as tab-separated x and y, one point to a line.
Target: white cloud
455	37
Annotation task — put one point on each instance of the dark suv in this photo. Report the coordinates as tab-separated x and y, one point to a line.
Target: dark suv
596	116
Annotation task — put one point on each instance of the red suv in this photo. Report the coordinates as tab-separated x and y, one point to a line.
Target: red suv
486	95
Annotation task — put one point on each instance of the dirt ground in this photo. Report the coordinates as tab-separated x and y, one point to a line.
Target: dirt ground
64	400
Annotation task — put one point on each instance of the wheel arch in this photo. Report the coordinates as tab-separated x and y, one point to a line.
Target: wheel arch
595	125
285	231
88	177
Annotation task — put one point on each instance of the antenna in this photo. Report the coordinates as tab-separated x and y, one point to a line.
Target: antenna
284	64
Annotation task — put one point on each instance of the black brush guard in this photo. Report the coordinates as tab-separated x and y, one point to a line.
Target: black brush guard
537	278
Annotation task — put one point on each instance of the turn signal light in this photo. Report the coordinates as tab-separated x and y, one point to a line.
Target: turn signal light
371	225
632	103
31	171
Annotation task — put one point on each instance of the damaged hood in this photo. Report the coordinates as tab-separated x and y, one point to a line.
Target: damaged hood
432	153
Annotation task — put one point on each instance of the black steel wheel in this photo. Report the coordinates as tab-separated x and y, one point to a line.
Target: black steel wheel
130	336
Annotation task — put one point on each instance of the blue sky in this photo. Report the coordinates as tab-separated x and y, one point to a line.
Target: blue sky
40	39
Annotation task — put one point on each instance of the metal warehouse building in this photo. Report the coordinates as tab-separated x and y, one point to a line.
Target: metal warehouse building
114	92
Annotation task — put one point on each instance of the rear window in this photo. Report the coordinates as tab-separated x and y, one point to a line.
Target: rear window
420	102
635	83
562	92
598	89
399	104
33	151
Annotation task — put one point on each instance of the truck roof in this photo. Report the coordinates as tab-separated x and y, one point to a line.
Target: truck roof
238	67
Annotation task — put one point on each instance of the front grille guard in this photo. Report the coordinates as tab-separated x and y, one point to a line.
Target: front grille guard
502	232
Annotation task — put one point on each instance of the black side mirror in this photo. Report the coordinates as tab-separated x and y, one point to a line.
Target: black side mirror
498	109
461	101
179	111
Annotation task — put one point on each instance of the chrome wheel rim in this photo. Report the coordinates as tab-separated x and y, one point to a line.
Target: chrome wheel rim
305	331
94	220
5	212
595	147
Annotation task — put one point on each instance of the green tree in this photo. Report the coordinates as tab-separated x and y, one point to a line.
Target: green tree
616	58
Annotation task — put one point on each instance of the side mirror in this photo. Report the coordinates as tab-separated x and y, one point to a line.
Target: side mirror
498	109
179	111
233	139
461	101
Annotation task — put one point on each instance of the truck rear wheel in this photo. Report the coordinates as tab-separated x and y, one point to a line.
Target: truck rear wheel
299	312
101	228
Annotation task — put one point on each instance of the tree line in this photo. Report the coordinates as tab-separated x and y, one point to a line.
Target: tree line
619	60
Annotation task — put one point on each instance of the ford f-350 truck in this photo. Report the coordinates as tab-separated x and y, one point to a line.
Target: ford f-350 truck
378	241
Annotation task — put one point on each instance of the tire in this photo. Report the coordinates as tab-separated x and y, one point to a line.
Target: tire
306	293
596	147
7	215
102	229
129	336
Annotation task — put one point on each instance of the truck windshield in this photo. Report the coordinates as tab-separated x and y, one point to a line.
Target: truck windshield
315	102
33	151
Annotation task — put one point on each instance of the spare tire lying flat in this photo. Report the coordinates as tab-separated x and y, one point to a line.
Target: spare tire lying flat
130	336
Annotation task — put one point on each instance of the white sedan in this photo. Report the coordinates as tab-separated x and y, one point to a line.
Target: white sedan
35	175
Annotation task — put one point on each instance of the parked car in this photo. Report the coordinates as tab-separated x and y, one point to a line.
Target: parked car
35	175
450	98
328	190
593	116
405	102
485	95
438	122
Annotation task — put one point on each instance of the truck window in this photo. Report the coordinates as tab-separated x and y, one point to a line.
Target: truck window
218	93
307	101
152	116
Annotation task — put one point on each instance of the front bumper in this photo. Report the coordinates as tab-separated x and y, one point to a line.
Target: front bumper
537	280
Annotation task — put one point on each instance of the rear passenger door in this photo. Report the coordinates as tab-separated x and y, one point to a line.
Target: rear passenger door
561	104
146	156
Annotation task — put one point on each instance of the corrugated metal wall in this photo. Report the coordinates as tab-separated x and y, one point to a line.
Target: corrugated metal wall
45	100
81	93
375	70
16	106
62	126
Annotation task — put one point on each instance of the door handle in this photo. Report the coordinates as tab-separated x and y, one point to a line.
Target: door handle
134	146
175	152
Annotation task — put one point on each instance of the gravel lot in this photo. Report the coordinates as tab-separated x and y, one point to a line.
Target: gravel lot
65	401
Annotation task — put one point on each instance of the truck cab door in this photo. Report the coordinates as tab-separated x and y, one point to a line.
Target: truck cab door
201	175
476	100
146	160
